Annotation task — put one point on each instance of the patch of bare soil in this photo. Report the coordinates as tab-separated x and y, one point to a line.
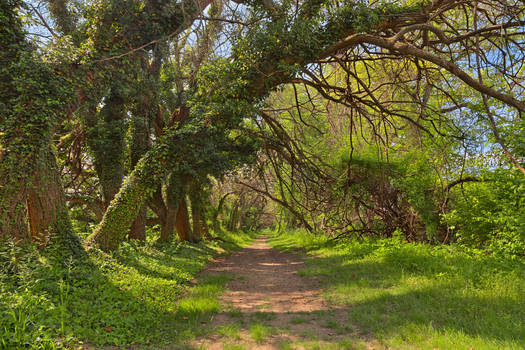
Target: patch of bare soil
268	305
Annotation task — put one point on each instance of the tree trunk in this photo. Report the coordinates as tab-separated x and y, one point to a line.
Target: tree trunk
13	194
105	137
240	213
47	211
165	215
138	227
197	223
233	216
218	211
35	207
46	202
174	193
139	186
168	225
182	222
16	160
197	214
139	128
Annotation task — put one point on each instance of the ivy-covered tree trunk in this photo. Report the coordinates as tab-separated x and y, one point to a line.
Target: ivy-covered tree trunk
46	202
14	162
138	226
105	136
234	214
139	129
166	218
143	114
173	193
218	211
13	194
32	94
122	211
32	199
199	224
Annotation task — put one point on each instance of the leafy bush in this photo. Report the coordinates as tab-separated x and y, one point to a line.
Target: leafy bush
491	214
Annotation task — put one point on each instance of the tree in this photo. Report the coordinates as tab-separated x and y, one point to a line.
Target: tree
34	96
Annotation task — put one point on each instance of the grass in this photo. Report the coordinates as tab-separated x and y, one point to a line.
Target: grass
264	316
233	347
140	294
298	320
231	330
259	332
419	296
323	345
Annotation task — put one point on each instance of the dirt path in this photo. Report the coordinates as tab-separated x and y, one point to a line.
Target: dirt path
268	305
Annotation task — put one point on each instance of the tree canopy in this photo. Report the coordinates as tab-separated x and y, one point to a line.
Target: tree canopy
350	117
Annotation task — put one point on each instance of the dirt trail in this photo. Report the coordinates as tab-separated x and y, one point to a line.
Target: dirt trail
268	305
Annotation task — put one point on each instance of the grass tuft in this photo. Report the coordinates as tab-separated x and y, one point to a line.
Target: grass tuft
260	332
231	330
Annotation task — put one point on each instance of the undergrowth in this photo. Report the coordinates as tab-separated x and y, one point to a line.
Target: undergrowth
137	295
419	296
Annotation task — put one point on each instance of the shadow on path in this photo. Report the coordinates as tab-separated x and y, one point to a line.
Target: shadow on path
268	305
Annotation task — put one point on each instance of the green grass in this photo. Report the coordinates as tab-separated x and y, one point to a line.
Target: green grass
231	330
298	320
264	316
137	295
260	332
346	344
233	312
419	296
229	346
285	345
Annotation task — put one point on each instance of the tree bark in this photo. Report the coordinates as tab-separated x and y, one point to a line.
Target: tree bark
182	222
197	214
13	194
138	227
168	225
46	201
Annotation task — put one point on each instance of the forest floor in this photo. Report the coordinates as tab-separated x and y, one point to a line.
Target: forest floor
292	290
268	305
